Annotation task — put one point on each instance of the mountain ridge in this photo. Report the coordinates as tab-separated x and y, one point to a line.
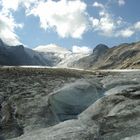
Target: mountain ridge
123	56
19	55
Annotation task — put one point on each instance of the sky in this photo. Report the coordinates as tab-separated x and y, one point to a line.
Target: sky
69	23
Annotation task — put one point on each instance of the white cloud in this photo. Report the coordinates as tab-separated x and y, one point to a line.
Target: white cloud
105	24
67	18
109	25
8	24
9	5
129	31
137	26
7	28
82	49
95	22
13	5
125	33
121	2
97	4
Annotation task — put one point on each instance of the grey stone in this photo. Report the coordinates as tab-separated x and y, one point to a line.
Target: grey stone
69	101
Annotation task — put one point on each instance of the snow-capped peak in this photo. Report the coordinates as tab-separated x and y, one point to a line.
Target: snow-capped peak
53	48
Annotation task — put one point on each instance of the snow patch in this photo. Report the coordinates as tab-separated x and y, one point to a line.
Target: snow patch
51	48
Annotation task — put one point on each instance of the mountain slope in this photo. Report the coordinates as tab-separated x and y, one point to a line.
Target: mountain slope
19	55
122	56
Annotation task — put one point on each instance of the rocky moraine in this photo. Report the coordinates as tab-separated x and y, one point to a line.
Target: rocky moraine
64	104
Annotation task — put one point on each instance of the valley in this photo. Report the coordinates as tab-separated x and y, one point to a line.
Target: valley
69	70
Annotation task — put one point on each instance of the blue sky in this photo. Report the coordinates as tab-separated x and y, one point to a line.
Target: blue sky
69	23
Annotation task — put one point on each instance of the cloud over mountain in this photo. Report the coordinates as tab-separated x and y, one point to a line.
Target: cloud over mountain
7	30
81	49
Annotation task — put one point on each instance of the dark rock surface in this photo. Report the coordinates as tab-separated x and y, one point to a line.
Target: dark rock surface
19	55
100	49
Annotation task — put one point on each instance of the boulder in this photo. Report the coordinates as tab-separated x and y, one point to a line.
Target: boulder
69	101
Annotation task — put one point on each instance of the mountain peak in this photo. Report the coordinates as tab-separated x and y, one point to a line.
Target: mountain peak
101	46
100	49
2	44
53	48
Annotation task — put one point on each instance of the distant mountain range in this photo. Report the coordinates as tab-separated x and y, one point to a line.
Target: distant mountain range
49	55
103	57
